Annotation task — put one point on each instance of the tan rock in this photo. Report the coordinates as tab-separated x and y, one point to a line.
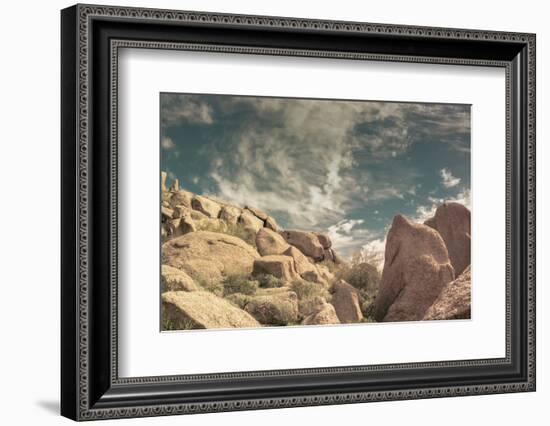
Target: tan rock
173	279
269	242
323	315
182	198
166	212
328	254
306	242
454	301
202	309
230	214
175	186
279	266
345	299
248	220
209	255
270	223
324	239
258	213
307	270
325	273
205	205
163	181
416	269
273	306
452	221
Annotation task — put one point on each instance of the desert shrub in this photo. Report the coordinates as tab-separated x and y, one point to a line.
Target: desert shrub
238	283
309	295
182	324
269	281
367	308
213	286
362	276
330	265
238	299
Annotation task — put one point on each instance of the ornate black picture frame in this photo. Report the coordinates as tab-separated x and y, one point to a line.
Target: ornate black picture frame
90	38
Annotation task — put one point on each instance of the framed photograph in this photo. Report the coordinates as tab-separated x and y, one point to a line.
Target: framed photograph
263	212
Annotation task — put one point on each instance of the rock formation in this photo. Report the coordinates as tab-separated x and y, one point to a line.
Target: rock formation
454	301
416	269
202	309
452	221
209	255
270	242
173	279
345	299
306	242
279	266
324	314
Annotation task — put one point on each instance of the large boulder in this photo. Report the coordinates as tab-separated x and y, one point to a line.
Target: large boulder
454	301
209	255
279	266
345	299
202	309
250	221
166	213
452	221
173	279
324	239
230	214
182	198
205	205
269	242
416	269
306	242
163	181
307	270
274	306
258	213
323	314
271	223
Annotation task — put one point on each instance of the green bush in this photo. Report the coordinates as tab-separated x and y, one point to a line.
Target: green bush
269	281
363	276
238	299
183	324
309	295
213	286
238	283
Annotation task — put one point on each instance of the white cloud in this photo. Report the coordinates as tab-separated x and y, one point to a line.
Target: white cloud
374	253
167	143
447	178
178	108
425	212
385	194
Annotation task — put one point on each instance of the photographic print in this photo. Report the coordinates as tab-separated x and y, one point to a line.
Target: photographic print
302	212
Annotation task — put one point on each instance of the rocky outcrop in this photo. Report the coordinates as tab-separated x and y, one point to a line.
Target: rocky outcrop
269	242
202	309
175	185
209	255
163	181
276	306
248	220
173	279
257	212
307	270
306	242
230	214
345	299
452	221
324	314
279	266
181	198
454	301
270	223
206	206
324	240
416	269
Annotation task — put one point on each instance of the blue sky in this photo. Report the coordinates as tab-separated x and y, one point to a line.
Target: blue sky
342	167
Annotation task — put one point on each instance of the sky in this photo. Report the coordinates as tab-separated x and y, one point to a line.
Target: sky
336	166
